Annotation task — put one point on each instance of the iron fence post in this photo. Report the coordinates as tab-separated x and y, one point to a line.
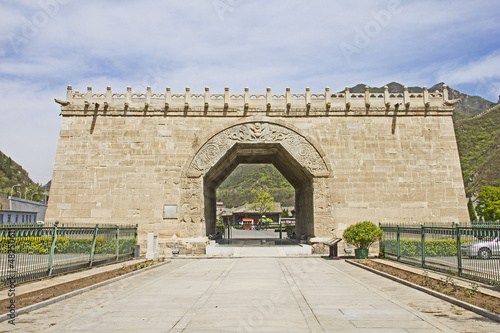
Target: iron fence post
52	248
459	248
117	241
398	239
382	241
92	249
423	244
136	236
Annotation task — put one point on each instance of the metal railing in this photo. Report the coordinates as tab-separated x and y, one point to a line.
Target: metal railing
467	250
29	252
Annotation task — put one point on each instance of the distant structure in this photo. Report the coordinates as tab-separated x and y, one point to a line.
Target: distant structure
245	215
157	158
20	211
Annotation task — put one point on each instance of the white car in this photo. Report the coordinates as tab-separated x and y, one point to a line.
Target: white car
483	249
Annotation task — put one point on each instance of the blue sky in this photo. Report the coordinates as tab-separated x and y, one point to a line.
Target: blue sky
48	44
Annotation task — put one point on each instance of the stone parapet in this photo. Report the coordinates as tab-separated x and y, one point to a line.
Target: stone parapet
206	104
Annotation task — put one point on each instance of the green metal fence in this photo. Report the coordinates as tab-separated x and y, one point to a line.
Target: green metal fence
30	252
467	250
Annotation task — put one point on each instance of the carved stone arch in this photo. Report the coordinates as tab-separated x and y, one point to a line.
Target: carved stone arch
259	132
257	140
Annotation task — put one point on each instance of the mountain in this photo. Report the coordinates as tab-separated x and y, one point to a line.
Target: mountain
478	140
237	188
393	87
467	107
12	174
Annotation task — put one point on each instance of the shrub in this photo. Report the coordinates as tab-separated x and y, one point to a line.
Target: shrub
413	247
290	229
220	229
362	234
41	245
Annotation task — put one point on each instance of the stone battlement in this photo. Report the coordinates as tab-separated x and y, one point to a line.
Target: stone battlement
226	104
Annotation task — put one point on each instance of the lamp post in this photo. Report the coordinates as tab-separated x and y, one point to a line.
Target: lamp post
12	189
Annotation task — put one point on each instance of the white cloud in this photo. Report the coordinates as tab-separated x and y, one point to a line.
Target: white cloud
474	70
30	126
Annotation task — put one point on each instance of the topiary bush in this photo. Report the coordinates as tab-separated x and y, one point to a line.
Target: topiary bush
362	234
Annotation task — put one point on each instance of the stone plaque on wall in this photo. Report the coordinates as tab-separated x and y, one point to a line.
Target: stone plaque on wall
170	211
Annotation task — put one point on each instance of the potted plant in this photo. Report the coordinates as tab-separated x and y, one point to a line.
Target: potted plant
362	235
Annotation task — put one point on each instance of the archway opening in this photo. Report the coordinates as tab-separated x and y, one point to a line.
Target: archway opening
255	202
263	153
241	185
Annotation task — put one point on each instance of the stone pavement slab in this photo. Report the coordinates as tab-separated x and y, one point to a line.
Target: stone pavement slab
28	287
253	295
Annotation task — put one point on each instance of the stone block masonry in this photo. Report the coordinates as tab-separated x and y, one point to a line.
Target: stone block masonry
156	159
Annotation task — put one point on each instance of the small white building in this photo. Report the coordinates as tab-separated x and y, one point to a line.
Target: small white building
17	217
21	211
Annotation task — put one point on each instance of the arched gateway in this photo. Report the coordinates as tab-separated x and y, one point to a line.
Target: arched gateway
156	159
260	141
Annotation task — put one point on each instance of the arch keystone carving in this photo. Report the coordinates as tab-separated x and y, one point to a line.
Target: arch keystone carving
257	132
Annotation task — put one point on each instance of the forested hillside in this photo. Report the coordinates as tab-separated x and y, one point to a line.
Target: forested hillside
237	188
478	142
12	174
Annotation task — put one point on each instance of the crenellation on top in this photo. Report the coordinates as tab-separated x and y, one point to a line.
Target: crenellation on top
282	104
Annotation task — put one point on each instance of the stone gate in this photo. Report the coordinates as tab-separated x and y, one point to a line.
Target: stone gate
156	159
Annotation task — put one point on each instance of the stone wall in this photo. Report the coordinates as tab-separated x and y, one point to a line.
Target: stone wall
401	169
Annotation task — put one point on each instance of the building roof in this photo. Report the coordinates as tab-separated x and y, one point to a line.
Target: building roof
246	209
8	211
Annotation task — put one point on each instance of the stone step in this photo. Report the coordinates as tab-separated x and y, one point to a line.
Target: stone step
259	252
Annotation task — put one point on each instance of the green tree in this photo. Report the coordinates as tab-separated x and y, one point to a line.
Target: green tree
262	202
285	213
472	211
488	206
362	234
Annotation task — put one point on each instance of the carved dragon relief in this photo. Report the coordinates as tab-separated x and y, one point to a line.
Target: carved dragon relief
257	132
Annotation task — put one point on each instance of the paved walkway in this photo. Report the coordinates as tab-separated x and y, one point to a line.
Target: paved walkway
253	295
53	282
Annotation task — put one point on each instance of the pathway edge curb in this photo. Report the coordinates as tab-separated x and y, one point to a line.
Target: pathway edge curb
465	305
60	298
